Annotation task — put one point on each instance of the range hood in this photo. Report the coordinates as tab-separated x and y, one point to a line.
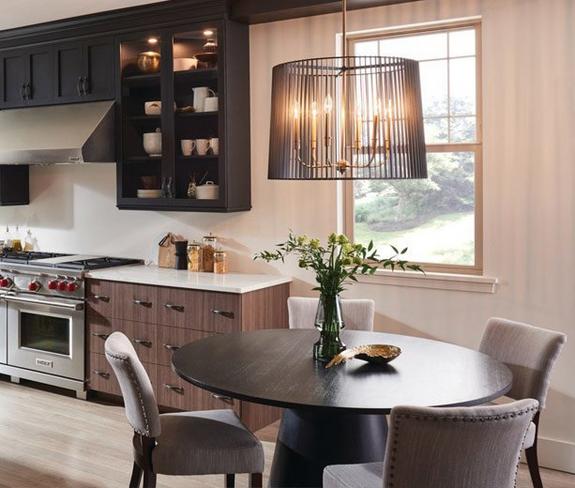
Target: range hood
75	133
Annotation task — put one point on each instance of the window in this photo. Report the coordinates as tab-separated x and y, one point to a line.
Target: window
438	219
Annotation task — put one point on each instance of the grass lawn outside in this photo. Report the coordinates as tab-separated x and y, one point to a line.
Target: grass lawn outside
446	239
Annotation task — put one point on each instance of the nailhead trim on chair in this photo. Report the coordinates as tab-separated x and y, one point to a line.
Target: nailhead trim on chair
132	374
455	418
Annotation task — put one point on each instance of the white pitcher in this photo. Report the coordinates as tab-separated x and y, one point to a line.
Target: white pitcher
200	95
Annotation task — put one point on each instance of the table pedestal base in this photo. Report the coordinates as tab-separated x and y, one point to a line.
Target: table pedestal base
310	440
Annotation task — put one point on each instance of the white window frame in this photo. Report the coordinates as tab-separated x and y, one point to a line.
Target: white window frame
475	147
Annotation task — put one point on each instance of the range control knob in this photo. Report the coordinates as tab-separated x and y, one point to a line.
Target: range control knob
34	286
5	282
53	284
71	287
62	285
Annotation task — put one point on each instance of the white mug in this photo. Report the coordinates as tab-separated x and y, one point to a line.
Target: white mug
188	146
215	145
211	104
202	146
200	95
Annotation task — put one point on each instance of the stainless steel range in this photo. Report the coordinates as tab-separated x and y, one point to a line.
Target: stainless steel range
42	316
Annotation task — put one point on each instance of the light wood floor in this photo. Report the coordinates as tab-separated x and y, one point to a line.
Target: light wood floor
49	440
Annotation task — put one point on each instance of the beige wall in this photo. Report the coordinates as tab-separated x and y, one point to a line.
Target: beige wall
529	188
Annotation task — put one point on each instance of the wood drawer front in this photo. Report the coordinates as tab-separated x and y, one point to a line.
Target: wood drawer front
102	377
177	393
170	338
221	313
143	336
179	308
138	303
100	297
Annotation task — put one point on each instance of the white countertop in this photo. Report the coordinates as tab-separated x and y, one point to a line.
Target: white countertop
175	278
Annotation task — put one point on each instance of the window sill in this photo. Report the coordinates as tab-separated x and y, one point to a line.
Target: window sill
438	281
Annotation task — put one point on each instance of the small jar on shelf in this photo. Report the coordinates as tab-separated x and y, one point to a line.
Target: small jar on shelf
209	244
220	262
194	257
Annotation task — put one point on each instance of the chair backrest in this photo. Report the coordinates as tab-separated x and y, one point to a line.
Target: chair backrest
139	399
528	351
467	447
358	314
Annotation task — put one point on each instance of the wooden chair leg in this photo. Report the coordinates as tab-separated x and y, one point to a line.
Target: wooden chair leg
136	478
149	479
256	480
230	480
533	463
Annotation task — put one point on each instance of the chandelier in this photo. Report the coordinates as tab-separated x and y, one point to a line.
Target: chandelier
346	118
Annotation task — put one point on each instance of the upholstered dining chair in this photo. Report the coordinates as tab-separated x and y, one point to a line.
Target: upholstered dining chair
357	314
465	447
530	353
187	443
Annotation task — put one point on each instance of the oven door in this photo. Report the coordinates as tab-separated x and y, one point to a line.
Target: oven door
46	335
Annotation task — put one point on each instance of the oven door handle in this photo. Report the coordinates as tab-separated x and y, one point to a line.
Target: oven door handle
69	306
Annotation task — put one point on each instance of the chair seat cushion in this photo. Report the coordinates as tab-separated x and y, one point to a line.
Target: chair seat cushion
530	437
369	475
209	442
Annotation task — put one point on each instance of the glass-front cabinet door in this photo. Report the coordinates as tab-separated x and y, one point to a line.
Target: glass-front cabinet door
197	121
171	121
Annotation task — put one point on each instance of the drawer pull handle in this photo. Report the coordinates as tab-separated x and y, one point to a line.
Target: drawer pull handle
101	336
225	399
177	389
102	298
171	306
227	315
103	374
170	347
143	342
144	303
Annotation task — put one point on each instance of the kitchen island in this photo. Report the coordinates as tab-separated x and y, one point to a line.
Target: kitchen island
162	309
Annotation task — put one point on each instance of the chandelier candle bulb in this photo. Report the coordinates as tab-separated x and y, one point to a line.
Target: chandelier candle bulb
358	132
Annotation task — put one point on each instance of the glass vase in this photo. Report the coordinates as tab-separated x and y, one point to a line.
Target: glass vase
329	322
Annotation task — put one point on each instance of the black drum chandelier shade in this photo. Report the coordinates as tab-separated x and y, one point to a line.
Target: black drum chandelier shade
347	118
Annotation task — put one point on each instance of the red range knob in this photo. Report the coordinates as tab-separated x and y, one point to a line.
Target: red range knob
53	284
34	286
5	282
71	287
62	285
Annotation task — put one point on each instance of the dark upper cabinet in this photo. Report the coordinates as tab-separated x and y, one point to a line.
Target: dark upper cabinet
40	77
99	65
26	77
85	71
69	71
12	79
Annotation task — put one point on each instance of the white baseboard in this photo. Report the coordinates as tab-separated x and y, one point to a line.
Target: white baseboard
556	454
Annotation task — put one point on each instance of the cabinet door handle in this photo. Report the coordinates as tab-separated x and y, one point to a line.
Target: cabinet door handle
170	347
79	86
23	91
142	342
143	303
103	374
223	398
227	315
101	336
102	298
177	389
28	89
85	85
171	306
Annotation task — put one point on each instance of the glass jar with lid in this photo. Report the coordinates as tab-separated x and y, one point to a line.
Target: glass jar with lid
220	262
194	256
209	244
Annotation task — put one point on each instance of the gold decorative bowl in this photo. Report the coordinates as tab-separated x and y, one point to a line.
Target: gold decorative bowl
149	62
372	353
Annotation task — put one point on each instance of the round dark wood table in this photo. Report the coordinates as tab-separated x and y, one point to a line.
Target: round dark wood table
336	415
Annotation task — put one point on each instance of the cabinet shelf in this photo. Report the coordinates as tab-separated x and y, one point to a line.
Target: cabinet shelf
199	115
207	157
196	75
144	79
136	159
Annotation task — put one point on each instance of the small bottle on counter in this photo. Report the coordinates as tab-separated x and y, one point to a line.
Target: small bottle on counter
8	239
194	257
16	241
220	262
181	254
209	244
